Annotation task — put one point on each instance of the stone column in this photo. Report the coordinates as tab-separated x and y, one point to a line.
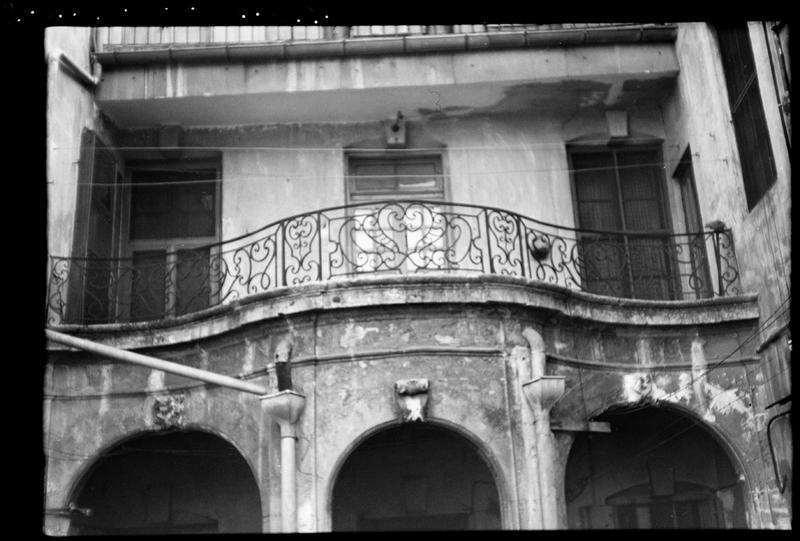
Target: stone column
285	407
528	501
542	392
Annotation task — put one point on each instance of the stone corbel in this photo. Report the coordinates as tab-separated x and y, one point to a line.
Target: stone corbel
412	397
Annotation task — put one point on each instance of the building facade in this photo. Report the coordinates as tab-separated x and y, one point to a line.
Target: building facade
445	277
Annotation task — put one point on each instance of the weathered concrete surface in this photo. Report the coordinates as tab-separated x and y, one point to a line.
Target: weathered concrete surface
70	109
347	360
555	301
698	114
515	162
362	88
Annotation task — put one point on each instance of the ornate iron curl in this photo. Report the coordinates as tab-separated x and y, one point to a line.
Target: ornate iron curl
401	237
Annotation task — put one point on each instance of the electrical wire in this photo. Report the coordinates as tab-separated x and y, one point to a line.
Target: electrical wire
661	164
525	146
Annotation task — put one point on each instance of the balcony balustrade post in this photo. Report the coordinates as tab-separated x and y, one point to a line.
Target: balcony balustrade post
488	241
720	287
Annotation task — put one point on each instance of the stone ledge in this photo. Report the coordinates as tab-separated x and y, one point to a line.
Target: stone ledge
428	289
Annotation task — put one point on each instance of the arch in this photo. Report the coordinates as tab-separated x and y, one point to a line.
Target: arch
661	466
452	434
189	480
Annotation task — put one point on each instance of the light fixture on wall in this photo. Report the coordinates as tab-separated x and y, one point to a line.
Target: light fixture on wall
396	131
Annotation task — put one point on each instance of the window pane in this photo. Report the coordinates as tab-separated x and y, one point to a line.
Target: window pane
192	281
397	176
737	58
595	186
417	176
148	285
374	177
162	211
754	149
641	201
752	137
194	210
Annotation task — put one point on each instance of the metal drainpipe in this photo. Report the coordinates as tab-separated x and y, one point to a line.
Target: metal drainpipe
542	393
77	72
379	46
152	362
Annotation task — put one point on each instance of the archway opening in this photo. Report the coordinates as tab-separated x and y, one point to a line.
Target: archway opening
658	468
168	483
415	476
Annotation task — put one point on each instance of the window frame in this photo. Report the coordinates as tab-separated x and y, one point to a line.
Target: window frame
170	245
385	156
92	143
362	200
654	145
755	186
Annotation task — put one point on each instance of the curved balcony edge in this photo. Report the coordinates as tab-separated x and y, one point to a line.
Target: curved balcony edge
393	292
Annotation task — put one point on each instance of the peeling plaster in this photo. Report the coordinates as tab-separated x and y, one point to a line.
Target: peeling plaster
353	334
156	380
106	389
446	340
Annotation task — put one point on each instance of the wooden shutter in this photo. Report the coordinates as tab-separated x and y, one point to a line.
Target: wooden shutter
620	190
95	233
747	111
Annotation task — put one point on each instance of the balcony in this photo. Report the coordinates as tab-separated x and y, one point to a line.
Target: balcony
392	238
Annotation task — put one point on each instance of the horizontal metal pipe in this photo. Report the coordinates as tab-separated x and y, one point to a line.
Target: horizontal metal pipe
389	45
72	67
152	362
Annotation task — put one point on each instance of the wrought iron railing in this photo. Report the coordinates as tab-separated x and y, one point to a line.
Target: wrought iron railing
392	237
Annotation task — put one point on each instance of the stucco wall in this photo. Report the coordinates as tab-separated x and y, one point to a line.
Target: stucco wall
698	114
70	109
346	362
517	163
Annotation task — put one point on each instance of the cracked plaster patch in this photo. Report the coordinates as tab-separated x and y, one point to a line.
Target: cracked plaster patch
353	334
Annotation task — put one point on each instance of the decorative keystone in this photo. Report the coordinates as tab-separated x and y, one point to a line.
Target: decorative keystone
285	407
544	391
168	411
412	397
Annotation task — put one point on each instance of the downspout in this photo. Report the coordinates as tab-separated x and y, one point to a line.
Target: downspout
74	70
542	393
285	406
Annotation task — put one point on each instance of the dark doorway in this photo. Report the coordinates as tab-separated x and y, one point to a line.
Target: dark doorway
415	477
658	468
168	483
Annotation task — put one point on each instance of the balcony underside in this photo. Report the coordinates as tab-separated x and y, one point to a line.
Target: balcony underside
369	88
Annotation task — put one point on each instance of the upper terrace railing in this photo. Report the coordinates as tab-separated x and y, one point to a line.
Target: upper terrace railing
391	237
130	37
